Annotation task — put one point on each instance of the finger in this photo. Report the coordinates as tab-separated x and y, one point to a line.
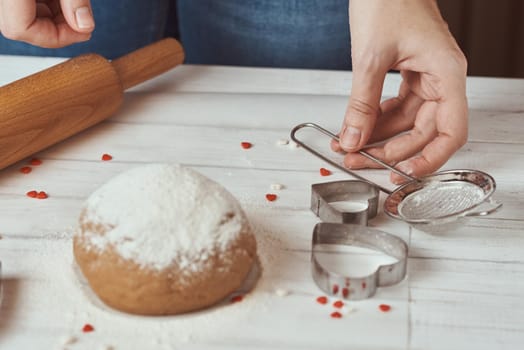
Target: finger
17	16
358	161
392	103
424	85
22	24
44	10
405	145
452	129
335	145
397	117
364	105
79	15
448	87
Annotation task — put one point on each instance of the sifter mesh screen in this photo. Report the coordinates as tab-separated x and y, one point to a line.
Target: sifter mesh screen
439	199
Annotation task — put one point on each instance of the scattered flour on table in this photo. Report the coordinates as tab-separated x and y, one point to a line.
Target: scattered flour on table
205	326
293	145
276	187
69	340
65	234
73	304
70	303
281	292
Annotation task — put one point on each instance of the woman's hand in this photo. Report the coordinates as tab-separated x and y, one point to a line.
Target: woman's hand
428	121
47	23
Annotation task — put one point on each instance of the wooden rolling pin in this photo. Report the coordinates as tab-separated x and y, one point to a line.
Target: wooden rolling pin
52	105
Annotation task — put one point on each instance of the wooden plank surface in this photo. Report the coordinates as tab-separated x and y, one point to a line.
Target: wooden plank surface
463	288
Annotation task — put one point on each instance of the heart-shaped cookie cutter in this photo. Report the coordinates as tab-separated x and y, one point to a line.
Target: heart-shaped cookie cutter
349	228
356	288
323	194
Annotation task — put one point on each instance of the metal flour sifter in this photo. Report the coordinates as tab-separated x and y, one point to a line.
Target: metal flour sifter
432	202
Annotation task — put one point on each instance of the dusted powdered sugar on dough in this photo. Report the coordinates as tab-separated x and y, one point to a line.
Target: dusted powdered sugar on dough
161	214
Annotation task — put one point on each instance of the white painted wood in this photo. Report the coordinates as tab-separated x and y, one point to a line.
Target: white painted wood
464	288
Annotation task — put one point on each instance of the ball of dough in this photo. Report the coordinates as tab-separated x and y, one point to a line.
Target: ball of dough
163	239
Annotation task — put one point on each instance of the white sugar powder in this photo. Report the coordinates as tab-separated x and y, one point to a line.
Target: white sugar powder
276	187
281	292
69	340
160	214
54	290
439	199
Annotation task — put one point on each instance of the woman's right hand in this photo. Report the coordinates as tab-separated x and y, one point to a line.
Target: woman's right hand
427	122
47	23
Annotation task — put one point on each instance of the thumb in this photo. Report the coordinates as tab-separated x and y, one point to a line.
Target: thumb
363	108
79	15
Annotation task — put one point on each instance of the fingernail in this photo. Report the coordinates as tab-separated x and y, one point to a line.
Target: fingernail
84	19
405	168
351	138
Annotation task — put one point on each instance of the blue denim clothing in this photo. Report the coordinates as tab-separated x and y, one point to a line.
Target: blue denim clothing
269	33
274	33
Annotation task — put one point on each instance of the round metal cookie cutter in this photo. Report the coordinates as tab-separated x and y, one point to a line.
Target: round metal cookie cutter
430	201
361	287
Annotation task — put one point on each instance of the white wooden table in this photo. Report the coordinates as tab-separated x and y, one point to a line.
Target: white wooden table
464	289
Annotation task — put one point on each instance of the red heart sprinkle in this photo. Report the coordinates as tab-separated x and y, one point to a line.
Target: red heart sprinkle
336	314
32	194
237	298
338	304
271	197
106	157
325	172
35	161
246	145
345	292
87	328
26	170
42	195
335	289
322	300
384	307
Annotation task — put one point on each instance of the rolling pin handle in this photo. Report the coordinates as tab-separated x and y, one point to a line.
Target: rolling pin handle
148	62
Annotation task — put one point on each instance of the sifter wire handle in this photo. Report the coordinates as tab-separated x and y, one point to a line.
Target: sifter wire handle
362	152
335	164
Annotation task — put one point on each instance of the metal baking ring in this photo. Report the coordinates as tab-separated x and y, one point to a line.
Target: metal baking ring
323	194
356	288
